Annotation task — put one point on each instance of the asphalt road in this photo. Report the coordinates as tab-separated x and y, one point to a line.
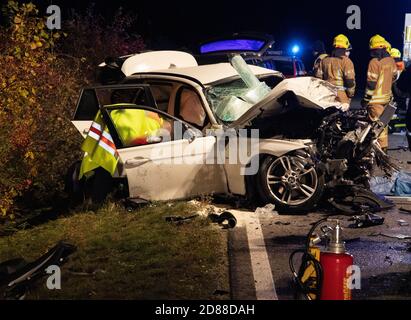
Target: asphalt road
385	262
262	242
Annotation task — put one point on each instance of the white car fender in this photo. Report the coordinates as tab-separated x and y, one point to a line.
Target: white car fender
278	148
236	173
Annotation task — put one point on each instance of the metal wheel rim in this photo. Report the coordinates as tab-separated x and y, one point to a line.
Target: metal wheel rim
289	182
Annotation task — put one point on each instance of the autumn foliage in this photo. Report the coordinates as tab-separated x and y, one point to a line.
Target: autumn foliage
41	73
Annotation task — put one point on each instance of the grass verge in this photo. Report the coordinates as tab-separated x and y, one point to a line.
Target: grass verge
137	255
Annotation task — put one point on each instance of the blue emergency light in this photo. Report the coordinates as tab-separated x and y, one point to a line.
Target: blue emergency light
295	49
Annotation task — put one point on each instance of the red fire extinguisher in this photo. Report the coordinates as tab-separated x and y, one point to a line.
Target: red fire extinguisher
335	262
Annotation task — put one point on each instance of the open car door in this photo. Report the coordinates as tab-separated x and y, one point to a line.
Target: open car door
163	157
91	98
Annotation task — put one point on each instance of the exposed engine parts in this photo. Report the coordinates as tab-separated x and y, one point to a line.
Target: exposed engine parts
347	151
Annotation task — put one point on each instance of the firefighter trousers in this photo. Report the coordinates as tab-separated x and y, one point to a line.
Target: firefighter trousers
374	112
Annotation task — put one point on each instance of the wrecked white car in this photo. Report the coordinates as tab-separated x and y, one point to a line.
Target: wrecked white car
297	148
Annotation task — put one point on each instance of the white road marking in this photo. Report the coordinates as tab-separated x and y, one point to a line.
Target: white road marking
263	277
262	273
260	264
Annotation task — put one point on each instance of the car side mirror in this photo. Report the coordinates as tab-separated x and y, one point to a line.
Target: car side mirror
111	62
190	134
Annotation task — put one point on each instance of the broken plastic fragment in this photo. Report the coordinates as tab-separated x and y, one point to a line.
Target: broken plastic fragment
366	220
269	208
396	236
226	219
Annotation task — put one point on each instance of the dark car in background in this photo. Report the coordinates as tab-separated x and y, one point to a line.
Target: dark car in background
256	49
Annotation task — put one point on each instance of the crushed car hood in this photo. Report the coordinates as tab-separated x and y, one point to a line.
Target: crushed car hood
307	92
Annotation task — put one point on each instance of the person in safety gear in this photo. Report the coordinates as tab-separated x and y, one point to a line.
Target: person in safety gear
319	54
137	127
396	55
403	86
381	74
389	47
399	97
338	69
134	126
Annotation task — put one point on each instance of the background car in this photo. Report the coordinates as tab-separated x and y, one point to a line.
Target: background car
256	49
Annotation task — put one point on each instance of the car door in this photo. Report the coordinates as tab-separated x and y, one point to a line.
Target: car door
174	162
91	98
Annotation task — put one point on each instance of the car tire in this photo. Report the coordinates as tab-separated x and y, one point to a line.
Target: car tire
101	184
290	183
73	186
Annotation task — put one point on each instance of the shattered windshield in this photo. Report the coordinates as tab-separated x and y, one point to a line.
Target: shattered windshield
230	100
226	102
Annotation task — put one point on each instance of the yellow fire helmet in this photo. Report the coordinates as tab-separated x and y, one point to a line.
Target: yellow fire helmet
378	42
388	47
395	53
341	41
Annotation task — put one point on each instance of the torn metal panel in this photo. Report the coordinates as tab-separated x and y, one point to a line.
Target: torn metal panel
308	92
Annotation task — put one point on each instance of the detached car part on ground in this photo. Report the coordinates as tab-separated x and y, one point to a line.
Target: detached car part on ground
17	276
306	142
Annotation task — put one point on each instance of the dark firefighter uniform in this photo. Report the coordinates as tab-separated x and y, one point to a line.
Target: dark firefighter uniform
319	53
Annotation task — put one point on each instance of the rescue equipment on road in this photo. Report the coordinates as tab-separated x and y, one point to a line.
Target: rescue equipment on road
323	275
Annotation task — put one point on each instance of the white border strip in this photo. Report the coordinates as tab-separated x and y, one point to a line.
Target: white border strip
263	277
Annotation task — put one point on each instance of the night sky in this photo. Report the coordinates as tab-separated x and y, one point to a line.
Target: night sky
177	24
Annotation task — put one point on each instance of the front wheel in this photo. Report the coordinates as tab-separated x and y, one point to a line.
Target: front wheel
290	182
97	187
72	185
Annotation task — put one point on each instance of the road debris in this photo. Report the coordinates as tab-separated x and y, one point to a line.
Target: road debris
402	185
86	274
180	219
352	200
281	223
220	292
388	260
366	220
403	223
396	236
402	210
226	219
269	208
17	275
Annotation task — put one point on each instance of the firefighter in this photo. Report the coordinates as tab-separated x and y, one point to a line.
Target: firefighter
404	86
381	74
399	96
338	69
396	55
319	55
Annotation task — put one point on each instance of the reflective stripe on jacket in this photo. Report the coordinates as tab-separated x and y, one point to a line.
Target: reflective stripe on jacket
316	72
380	76
340	72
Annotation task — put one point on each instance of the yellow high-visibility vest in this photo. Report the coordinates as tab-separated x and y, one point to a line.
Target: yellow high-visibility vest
134	126
99	148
